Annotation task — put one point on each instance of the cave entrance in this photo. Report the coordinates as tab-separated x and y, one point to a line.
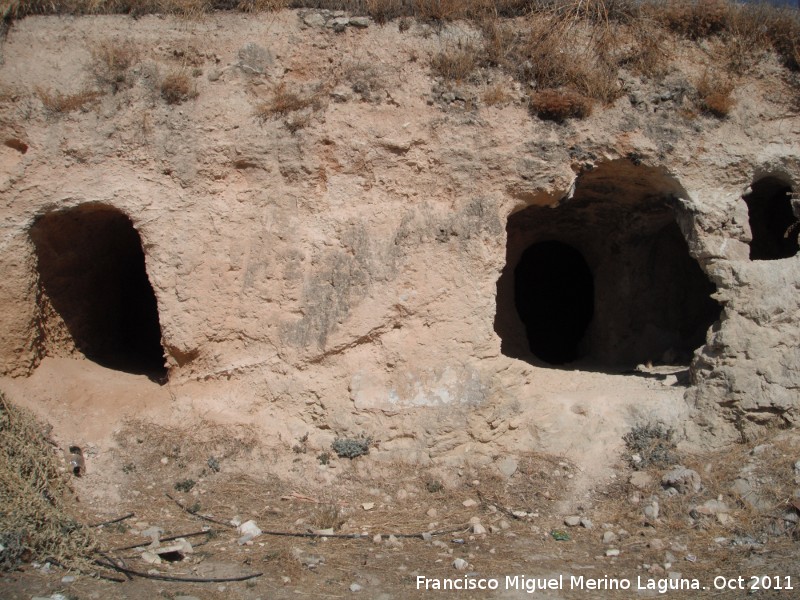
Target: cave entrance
95	294
603	277
554	297
772	221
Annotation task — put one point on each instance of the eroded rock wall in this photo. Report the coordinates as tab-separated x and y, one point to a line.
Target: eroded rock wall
342	259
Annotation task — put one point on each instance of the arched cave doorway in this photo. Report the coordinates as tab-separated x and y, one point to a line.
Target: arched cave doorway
772	221
554	297
92	273
605	276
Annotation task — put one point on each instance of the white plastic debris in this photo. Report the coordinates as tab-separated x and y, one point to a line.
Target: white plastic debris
248	530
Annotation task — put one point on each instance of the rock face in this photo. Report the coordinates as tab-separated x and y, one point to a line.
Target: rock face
359	257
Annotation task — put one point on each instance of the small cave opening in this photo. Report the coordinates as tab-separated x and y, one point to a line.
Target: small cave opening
554	296
92	273
604	277
772	221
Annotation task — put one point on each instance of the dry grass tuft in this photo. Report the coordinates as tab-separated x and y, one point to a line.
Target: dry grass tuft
366	80
496	95
112	62
560	104
457	62
34	524
296	106
714	94
56	103
177	87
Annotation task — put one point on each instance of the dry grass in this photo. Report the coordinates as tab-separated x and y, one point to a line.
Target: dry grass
714	94
296	106
177	87
366	80
112	62
186	446
34	523
457	62
56	103
496	94
560	104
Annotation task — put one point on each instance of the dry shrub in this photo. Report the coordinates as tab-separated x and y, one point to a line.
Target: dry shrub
694	19
34	523
57	103
327	516
456	62
714	94
648	54
384	11
366	80
496	95
254	6
560	104
286	101
112	62
441	10
177	87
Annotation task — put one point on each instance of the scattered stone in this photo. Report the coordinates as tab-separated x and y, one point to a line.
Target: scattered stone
572	521
311	561
377	539
508	466
641	480
609	537
68	579
360	22
682	479
612	552
254	59
586	523
478	529
460	564
427	536
469	503
151	558
712	507
328	531
368	505
214	75
186	598
724	519
651	511
338	24
503	524
440	544
656	544
393	542
354	587
314	20
520	514
341	93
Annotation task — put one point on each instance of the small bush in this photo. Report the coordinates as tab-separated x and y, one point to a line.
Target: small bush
351	448
57	103
714	95
177	88
652	445
185	485
366	81
694	19
112	62
559	105
457	62
496	95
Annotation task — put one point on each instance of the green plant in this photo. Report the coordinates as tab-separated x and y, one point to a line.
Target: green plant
185	485
351	447
651	445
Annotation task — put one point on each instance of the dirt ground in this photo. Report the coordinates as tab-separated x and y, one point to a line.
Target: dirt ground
192	479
